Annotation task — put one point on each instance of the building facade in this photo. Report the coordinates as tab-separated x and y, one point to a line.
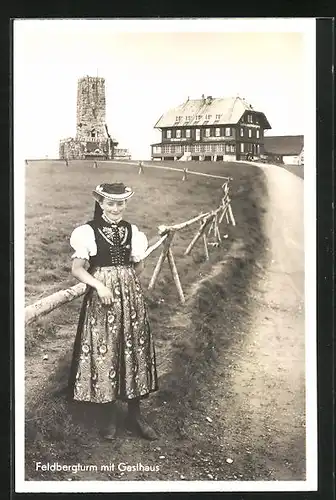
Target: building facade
286	149
214	129
92	137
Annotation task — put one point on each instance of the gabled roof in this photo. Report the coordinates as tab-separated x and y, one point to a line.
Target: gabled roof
283	144
229	109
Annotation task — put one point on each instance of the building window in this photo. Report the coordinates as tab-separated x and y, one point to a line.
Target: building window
207	117
227	131
178	149
178	134
208	148
157	149
250	133
242	148
217	132
207	132
218	117
188	132
178	118
198	148
198	117
168	134
241	132
232	148
258	149
258	134
227	148
250	118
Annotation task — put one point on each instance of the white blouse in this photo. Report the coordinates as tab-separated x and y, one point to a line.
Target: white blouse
83	242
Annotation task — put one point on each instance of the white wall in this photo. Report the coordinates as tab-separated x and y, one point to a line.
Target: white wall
291	160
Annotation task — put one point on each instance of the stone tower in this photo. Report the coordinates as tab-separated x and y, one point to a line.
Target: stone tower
92	139
91	106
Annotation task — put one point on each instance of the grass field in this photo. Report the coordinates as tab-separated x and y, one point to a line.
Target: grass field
58	199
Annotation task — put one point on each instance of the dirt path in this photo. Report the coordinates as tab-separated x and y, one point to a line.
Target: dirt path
261	411
248	422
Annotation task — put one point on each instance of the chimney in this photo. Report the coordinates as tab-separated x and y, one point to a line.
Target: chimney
209	99
203	97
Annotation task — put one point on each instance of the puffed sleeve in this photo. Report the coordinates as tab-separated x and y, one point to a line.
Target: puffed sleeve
139	244
83	241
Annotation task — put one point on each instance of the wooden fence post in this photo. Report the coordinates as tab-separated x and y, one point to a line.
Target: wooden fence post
216	229
175	275
198	235
161	259
185	175
205	246
233	222
141	171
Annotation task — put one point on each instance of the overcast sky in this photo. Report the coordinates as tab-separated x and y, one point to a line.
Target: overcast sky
150	66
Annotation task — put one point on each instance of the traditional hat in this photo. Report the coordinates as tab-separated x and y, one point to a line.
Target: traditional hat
117	191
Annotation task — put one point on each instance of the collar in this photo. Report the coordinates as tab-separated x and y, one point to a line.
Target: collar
109	221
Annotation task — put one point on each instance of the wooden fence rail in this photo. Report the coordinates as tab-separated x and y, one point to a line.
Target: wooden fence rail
207	221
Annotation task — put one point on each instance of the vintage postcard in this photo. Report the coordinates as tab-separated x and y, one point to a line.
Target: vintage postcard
164	183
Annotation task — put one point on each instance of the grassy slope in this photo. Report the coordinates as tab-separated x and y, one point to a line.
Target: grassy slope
183	352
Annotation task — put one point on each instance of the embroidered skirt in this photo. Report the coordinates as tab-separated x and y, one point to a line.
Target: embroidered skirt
114	354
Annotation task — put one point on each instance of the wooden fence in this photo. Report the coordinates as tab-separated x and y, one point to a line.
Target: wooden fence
208	228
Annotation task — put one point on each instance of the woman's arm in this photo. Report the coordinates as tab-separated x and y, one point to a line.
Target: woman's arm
78	271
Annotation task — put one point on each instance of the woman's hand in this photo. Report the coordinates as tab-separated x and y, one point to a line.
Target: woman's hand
105	294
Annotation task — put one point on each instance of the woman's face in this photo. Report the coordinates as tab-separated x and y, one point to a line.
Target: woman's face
113	209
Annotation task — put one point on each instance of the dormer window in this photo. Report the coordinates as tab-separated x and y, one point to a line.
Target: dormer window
178	134
218	117
178	118
198	117
208	117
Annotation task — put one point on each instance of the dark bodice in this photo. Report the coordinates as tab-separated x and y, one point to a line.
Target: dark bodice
113	243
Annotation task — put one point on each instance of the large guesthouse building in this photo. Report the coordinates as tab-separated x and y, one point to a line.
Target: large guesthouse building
214	129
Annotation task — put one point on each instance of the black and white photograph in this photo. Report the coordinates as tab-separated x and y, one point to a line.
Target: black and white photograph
165	255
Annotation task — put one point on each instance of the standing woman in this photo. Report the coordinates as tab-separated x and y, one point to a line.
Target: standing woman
114	355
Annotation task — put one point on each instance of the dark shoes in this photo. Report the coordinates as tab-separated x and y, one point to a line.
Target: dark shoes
142	428
110	432
110	428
